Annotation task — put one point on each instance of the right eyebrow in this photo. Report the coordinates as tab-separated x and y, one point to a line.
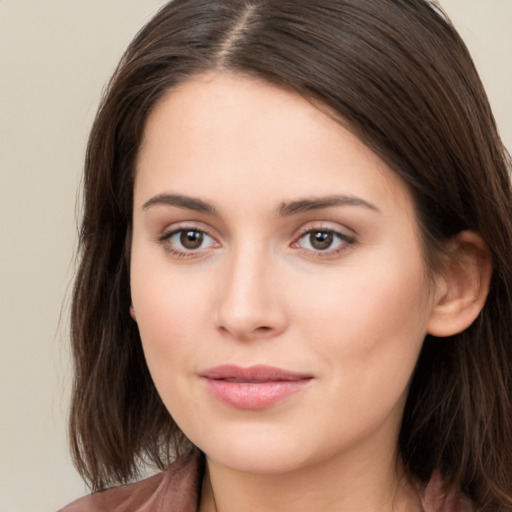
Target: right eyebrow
180	201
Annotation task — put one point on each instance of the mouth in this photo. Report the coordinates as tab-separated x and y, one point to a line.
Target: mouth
254	387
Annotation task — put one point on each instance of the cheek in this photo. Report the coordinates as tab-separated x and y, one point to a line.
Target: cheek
369	325
170	315
168	319
170	325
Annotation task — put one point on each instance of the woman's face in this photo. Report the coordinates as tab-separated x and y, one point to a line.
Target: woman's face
277	278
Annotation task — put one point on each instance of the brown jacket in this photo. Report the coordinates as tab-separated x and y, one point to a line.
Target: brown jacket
177	490
174	490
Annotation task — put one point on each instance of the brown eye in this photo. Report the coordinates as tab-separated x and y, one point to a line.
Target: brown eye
191	239
321	240
187	241
326	241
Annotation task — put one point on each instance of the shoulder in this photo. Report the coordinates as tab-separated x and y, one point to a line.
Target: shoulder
438	498
174	490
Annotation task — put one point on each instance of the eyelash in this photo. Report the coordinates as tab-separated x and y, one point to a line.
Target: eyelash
165	240
345	241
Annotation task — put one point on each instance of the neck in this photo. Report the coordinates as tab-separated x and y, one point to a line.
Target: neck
337	486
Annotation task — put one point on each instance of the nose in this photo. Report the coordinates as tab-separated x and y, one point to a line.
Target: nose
249	305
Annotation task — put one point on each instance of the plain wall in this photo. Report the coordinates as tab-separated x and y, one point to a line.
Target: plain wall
55	57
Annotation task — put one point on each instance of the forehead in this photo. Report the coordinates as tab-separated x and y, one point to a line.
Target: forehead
231	136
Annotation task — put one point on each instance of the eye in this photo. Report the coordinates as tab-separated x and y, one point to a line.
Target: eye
324	240
187	240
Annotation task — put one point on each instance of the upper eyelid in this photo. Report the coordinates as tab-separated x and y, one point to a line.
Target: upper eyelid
347	238
171	232
179	229
176	227
342	231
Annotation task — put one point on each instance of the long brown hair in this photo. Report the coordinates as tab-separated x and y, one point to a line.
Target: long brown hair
397	74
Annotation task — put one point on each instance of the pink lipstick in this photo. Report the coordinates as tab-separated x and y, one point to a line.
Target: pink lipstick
255	387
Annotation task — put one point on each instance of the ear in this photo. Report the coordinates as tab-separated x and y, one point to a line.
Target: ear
462	286
132	312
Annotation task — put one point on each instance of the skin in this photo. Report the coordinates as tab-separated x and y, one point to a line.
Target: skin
258	291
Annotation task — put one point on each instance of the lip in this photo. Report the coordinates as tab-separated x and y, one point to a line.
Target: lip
253	387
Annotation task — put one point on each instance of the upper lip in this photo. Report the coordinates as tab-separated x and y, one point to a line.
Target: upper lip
256	373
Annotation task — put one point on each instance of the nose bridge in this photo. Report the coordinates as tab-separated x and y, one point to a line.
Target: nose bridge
248	305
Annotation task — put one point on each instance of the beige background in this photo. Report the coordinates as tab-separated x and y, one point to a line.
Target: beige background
55	56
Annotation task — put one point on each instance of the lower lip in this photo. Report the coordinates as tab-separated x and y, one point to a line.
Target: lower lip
254	395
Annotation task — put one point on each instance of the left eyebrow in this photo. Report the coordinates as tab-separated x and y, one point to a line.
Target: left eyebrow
317	203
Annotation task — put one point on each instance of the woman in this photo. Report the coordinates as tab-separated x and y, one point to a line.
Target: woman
295	283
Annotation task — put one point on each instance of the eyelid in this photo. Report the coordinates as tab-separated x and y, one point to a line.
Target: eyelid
343	231
345	235
165	236
348	240
190	225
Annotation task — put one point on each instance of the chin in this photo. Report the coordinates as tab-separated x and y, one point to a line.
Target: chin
261	460
260	451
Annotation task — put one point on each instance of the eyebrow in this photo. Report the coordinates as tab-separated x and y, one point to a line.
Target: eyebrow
309	204
180	201
285	209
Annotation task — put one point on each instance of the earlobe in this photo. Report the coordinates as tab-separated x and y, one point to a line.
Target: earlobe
462	287
132	312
